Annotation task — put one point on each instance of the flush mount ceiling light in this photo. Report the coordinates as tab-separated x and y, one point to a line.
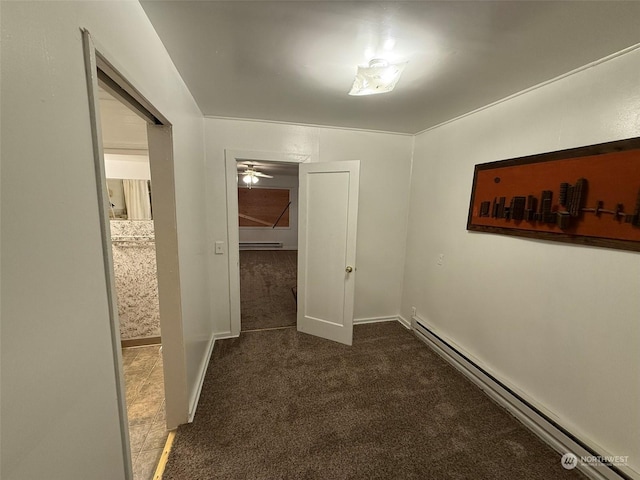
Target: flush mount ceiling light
378	77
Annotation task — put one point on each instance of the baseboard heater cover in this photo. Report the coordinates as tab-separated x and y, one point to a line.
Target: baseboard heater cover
257	245
556	436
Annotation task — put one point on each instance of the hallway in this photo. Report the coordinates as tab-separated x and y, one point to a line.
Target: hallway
266	282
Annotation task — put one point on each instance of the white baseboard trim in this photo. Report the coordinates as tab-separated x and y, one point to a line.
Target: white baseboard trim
223	335
193	404
360	321
395	318
557	437
195	396
404	322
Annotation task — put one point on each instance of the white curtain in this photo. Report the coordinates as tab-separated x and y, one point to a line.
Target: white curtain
137	200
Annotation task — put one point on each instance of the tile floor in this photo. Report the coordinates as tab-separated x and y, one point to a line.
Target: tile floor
145	405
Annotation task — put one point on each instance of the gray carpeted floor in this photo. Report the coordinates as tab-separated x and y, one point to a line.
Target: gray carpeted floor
278	404
266	279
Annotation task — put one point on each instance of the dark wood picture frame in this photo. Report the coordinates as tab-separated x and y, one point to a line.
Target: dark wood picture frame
586	195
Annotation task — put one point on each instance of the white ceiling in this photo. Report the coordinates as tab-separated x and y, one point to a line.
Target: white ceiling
294	61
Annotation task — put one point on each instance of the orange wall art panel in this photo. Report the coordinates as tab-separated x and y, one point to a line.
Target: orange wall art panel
587	195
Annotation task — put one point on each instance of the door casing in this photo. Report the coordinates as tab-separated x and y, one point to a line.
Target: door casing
159	132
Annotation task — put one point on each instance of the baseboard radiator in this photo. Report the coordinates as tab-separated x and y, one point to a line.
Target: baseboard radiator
535	420
260	245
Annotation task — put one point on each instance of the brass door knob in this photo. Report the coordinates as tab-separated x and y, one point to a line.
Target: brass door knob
349	269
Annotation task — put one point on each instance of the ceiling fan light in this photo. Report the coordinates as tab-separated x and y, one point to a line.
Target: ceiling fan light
254	179
378	77
247	179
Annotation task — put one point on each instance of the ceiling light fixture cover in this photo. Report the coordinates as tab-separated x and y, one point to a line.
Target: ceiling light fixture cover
378	77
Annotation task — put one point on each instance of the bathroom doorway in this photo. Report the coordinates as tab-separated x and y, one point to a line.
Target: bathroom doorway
160	368
132	234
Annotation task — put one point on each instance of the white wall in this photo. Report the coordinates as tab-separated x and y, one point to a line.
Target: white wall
558	322
384	179
287	235
59	411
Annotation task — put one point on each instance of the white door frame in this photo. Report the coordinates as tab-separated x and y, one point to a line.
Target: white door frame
159	131
232	157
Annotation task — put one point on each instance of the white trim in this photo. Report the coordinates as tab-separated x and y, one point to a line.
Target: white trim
535	87
142	152
404	322
251	155
232	157
126	149
225	335
91	76
393	318
195	396
161	162
360	321
531	418
311	125
233	239
407	219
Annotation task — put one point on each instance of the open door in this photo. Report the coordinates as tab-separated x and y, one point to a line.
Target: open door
328	216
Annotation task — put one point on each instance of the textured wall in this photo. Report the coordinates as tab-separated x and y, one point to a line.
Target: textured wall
136	278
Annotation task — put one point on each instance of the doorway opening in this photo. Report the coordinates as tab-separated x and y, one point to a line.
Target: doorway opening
265	272
150	225
268	244
327	232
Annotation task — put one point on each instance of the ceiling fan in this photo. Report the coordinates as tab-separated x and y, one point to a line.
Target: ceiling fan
250	175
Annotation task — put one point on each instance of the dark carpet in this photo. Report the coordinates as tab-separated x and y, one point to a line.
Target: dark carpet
266	280
279	404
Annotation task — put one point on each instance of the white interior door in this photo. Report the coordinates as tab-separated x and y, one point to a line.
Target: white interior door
328	216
